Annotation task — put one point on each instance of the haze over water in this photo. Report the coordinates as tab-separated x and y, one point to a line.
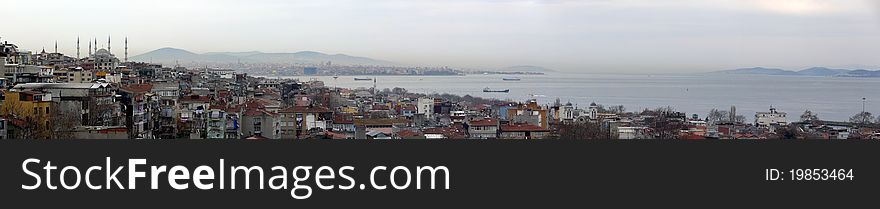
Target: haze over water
833	98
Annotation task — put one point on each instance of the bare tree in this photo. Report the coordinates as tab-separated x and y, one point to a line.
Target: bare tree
716	116
617	109
399	91
37	122
582	131
788	132
739	119
809	116
62	123
665	126
26	129
862	118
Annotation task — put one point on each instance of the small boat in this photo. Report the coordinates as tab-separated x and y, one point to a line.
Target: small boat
510	79
335	77
363	79
487	89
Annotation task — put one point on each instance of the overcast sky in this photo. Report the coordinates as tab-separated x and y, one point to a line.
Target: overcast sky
634	36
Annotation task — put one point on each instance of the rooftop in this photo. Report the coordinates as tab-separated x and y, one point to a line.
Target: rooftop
305	109
521	127
61	85
484	122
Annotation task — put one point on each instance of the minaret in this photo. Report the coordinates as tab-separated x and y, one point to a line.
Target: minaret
96	45
56	47
126	49
90	48
77	48
108	44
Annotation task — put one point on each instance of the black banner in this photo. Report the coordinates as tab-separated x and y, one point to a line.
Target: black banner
494	173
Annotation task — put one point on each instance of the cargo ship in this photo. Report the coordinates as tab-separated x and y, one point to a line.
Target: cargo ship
487	89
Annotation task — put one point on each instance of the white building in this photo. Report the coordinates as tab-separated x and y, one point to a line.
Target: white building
632	133
568	113
765	119
223	73
426	106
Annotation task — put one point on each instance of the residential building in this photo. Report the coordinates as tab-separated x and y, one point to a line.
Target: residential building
297	121
529	113
486	128
522	131
136	100
426	106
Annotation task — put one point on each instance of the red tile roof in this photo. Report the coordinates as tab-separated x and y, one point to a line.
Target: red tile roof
342	119
484	122
379	107
195	98
408	134
137	88
448	132
521	128
256	112
334	135
409	107
305	109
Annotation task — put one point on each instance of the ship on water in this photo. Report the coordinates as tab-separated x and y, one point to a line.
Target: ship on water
487	89
363	79
510	79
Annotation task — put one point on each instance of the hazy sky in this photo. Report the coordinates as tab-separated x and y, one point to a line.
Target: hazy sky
636	36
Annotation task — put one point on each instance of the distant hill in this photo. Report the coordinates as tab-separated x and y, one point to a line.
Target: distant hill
758	71
860	73
822	71
526	68
173	55
814	71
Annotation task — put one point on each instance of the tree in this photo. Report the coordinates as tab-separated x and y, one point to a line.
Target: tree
739	119
616	109
62	123
788	132
582	131
809	116
862	118
399	91
664	128
716	116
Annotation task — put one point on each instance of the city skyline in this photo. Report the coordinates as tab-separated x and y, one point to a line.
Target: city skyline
573	36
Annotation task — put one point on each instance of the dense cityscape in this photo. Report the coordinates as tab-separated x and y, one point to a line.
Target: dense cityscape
96	95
